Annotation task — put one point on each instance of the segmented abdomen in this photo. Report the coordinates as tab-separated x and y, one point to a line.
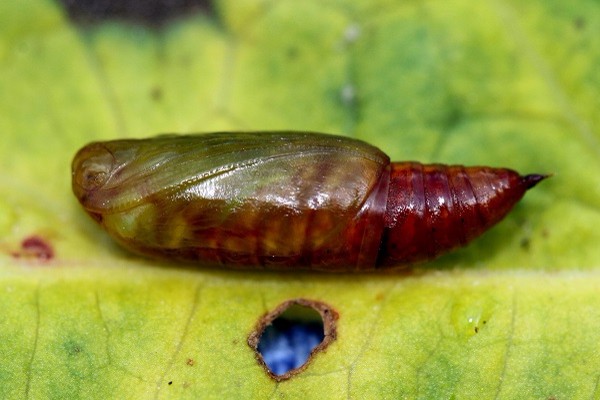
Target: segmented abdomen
435	208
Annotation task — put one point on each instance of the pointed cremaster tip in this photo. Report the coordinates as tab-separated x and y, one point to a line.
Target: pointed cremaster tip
533	179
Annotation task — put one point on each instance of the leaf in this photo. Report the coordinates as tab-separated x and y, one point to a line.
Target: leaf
514	315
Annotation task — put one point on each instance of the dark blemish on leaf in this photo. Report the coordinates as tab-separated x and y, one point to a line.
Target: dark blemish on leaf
170	382
292	53
454	117
476	328
72	348
151	12
579	23
525	243
190	362
156	94
299	311
545	233
34	247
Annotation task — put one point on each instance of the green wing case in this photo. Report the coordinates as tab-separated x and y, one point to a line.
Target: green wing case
275	199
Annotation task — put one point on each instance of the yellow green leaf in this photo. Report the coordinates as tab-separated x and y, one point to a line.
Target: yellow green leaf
515	84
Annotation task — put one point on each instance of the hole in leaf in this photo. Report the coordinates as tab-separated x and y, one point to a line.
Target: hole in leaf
287	338
286	343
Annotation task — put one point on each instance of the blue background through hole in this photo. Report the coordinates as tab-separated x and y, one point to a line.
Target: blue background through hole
286	343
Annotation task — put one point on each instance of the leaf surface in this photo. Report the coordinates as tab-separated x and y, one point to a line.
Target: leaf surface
501	83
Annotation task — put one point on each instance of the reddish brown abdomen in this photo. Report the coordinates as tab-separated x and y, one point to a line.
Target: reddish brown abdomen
435	208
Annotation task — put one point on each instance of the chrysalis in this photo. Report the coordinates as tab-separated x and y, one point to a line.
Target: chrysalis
286	200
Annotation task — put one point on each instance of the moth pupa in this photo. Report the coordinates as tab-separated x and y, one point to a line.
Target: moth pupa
286	200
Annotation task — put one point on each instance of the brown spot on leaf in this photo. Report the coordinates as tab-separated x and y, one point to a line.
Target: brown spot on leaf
292	53
329	318
156	94
190	362
34	247
545	233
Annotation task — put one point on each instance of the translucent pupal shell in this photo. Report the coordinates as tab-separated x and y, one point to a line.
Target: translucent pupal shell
286	200
274	199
